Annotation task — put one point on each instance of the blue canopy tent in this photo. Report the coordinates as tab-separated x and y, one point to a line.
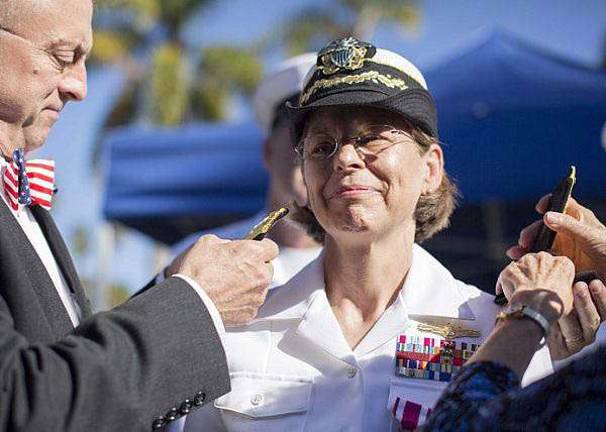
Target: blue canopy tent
168	183
513	119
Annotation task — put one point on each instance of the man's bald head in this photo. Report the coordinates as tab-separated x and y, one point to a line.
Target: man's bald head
43	47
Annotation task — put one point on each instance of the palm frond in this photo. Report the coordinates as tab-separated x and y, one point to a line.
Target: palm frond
311	28
112	46
168	86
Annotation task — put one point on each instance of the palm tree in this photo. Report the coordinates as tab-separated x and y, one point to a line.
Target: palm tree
170	95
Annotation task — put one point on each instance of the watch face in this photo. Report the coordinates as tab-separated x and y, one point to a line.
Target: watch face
515	308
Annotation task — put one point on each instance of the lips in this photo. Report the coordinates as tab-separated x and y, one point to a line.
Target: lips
53	111
352	191
55	108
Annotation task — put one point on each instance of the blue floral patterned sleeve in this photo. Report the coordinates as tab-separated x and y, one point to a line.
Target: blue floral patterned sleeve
468	393
487	396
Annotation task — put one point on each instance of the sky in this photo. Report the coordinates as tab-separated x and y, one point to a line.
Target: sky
575	29
572	29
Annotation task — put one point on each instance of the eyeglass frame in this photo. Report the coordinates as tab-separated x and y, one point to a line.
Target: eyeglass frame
338	144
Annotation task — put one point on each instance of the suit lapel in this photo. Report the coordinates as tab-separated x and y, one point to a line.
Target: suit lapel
33	270
62	256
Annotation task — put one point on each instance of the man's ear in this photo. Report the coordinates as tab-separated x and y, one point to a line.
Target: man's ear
434	172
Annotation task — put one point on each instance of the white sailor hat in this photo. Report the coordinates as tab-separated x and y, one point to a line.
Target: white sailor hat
349	72
284	83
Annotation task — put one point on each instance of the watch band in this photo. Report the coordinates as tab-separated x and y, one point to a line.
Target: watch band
520	311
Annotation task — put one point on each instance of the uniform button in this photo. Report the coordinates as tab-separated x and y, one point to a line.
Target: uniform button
352	371
185	407
158	423
199	398
171	415
256	399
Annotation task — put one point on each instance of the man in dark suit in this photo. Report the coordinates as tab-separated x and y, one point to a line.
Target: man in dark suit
142	364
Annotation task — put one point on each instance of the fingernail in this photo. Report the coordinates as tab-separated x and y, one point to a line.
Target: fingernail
596	286
554	218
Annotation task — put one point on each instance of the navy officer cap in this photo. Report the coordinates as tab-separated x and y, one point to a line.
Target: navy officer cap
349	72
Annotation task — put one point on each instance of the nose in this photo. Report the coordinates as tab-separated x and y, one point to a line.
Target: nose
73	85
347	158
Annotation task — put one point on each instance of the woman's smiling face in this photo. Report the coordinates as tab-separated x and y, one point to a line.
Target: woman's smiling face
371	194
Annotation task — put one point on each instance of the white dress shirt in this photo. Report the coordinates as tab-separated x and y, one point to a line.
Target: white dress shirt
34	234
292	369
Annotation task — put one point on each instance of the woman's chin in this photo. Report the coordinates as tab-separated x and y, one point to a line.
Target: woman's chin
355	223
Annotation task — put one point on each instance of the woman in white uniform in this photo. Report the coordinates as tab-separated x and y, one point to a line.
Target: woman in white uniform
367	336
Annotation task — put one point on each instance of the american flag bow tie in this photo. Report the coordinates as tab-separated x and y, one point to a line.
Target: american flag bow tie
29	183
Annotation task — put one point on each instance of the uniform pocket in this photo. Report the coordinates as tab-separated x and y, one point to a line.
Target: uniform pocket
411	400
261	402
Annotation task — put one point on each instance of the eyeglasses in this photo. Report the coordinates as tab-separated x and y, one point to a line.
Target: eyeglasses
370	141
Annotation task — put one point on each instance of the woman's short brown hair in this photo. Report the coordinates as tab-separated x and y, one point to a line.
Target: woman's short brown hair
432	213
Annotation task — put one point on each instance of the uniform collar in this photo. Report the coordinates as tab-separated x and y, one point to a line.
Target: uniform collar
292	300
429	290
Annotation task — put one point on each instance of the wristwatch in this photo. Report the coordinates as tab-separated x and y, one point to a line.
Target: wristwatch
518	311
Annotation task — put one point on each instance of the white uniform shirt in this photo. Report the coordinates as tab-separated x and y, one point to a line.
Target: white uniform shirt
287	264
292	369
34	234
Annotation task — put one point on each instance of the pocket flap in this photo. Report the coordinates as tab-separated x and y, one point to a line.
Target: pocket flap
260	395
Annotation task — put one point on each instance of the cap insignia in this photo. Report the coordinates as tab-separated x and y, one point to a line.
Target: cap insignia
344	54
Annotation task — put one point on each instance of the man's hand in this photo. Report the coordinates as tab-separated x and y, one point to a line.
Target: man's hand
235	274
578	329
541	281
582	238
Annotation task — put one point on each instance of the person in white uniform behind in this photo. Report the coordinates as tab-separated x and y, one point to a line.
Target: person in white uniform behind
297	248
367	336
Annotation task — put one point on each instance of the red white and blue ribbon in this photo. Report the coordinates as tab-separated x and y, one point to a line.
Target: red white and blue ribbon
29	183
409	415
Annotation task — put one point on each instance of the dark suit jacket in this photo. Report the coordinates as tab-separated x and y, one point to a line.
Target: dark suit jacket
157	355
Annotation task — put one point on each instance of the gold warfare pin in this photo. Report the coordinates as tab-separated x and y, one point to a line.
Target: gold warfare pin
447	328
259	231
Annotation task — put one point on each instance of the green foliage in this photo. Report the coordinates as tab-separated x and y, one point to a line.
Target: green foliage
209	100
145	10
173	13
236	67
112	46
224	70
168	86
313	27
